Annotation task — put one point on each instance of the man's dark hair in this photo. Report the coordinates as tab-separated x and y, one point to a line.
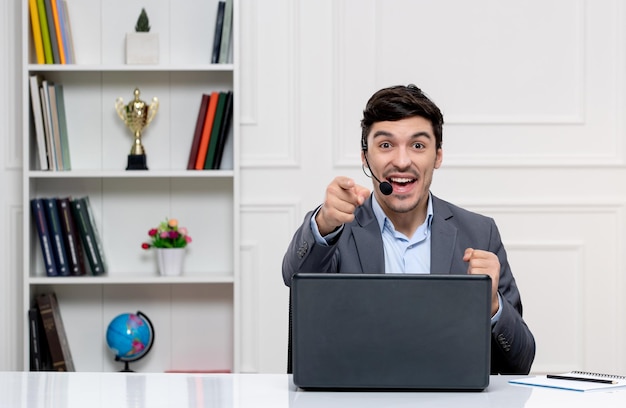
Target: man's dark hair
400	102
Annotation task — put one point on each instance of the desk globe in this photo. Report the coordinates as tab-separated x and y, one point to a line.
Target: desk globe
130	336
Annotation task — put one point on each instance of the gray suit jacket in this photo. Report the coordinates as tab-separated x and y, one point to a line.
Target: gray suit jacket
359	249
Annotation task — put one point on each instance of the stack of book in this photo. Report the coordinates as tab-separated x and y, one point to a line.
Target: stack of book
52	36
67	236
49	348
221	53
212	128
48	106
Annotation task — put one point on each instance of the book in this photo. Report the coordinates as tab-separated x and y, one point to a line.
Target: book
206	131
574	381
35	102
52	32
58	344
227	28
224	131
217	36
45	32
71	237
64	30
54	125
88	235
67	28
215	130
39	350
57	29
63	137
197	135
45	241
47	122
56	236
34	333
36	31
94	227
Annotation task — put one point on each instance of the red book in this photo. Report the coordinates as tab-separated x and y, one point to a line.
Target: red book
197	135
206	131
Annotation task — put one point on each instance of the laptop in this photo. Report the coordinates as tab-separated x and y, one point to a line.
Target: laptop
391	331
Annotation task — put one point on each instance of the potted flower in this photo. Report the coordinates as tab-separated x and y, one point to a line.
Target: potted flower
170	241
142	47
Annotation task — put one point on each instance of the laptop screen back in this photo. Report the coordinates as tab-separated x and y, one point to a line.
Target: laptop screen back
391	331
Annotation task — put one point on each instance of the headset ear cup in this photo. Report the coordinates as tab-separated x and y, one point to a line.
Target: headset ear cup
363	144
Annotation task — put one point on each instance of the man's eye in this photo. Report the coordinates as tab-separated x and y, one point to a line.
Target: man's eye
385	145
418	145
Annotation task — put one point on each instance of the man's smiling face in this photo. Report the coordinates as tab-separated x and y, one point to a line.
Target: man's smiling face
403	153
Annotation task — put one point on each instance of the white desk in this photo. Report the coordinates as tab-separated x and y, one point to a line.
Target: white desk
135	390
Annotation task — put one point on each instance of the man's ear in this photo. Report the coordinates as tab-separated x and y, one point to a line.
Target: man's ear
363	163
438	158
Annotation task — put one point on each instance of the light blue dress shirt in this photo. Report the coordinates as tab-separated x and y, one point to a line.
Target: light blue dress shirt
404	254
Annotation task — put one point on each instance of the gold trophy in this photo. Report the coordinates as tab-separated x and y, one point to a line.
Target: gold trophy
137	116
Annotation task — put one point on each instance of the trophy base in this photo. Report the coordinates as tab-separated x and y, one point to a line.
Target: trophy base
137	162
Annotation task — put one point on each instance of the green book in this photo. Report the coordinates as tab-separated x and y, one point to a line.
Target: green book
215	131
45	32
88	232
65	147
226	32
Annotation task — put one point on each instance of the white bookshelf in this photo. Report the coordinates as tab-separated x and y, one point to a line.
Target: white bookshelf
195	315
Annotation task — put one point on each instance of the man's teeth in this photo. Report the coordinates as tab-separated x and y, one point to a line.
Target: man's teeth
401	180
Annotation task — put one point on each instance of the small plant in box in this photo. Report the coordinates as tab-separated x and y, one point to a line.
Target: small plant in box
142	47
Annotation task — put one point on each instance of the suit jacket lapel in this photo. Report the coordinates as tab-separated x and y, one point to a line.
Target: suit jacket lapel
368	241
443	237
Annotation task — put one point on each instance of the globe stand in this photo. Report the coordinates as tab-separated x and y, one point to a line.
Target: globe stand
126	368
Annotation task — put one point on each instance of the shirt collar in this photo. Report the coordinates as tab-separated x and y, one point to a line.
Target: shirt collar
382	218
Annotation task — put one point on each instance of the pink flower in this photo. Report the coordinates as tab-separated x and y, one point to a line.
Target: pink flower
168	234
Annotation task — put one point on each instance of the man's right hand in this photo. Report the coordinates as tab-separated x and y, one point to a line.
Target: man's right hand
343	196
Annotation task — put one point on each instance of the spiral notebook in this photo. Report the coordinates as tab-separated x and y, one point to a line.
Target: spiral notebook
575	381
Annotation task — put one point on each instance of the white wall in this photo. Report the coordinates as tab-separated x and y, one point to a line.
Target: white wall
533	97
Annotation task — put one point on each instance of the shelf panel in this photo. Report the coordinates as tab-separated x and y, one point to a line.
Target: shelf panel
34	174
127	68
126	280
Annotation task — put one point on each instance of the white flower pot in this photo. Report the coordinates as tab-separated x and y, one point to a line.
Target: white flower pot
142	48
170	261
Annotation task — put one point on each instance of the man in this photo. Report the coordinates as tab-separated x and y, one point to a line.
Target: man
403	228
